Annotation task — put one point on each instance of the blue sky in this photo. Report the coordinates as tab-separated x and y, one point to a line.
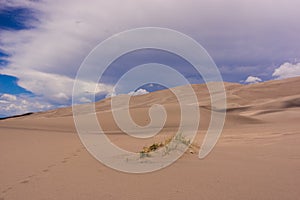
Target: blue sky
42	43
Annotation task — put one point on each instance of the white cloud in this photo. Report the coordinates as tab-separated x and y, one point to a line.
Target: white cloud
138	92
14	105
8	97
112	93
287	70
85	100
252	79
53	87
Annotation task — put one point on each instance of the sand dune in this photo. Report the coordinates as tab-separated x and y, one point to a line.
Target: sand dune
257	156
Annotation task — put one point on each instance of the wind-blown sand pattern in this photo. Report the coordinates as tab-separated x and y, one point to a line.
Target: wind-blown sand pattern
257	156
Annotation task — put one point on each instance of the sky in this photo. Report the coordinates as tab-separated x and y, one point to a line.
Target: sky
43	43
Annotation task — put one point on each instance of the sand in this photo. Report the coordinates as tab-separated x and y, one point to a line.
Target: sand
256	157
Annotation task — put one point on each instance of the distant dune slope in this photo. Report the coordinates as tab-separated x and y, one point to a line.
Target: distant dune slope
245	104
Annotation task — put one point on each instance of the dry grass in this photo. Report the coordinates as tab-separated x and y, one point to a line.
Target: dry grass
177	139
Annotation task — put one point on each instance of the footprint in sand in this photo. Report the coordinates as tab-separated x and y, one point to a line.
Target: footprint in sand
27	179
24	181
50	166
6	190
78	150
46	170
65	160
31	176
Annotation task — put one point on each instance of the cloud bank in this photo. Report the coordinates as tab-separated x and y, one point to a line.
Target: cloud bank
15	105
287	70
138	92
46	56
252	79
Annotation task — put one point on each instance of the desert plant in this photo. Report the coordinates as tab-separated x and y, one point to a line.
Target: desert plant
179	138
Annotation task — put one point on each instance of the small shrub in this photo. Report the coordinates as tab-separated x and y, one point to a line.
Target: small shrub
179	138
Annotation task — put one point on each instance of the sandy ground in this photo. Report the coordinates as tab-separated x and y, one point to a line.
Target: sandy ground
257	156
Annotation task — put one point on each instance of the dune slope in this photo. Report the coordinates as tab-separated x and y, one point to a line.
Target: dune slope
257	156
